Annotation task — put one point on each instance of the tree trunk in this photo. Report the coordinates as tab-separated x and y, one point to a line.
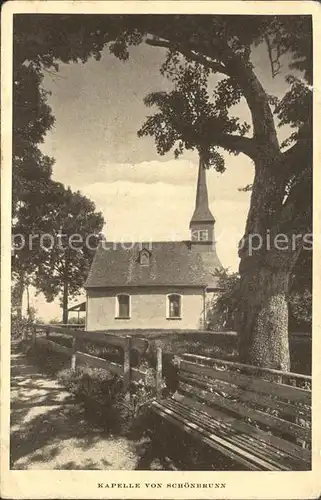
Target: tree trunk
65	304
265	273
17	295
264	323
28	302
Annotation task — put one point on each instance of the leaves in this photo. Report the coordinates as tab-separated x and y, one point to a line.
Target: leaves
32	118
74	234
60	230
295	109
224	306
188	117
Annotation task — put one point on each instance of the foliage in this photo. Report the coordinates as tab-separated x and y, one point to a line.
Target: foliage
47	360
300	296
36	197
54	321
95	383
300	307
133	414
68	235
31	169
187	114
222	313
19	326
76	321
32	118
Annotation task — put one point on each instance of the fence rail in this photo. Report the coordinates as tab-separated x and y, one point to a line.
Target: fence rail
126	343
73	326
97	336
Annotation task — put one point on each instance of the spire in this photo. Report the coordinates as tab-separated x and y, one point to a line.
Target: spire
202	213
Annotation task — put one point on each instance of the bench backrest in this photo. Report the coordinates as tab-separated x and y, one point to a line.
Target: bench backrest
270	399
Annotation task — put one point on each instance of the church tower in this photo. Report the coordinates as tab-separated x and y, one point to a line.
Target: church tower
202	221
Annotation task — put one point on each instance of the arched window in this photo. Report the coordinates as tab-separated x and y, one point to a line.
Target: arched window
144	258
123	306
174	306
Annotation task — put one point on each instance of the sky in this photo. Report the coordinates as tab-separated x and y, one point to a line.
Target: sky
99	108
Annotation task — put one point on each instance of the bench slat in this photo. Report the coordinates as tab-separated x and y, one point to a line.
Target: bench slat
257	415
253	368
245	395
253	444
225	447
247	382
233	422
183	424
255	448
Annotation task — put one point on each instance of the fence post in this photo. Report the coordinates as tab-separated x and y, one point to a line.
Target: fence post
159	369
126	372
25	334
73	354
34	335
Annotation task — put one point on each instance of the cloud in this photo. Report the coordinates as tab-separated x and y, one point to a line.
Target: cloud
177	173
159	211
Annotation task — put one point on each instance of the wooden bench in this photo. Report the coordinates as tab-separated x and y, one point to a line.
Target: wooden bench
260	418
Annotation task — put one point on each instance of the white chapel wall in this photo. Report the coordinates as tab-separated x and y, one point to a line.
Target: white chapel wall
148	308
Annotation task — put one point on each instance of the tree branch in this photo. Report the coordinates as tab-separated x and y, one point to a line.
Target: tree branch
236	143
235	67
296	213
189	54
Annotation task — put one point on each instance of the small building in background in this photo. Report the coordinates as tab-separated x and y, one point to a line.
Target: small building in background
80	310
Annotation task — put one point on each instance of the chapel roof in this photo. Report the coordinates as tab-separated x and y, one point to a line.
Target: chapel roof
171	263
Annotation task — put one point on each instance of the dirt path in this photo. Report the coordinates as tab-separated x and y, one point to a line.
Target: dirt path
49	429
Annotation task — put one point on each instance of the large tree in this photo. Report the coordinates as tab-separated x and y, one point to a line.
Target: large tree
36	199
280	210
281	190
70	235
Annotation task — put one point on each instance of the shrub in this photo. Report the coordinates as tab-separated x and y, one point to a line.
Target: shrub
47	360
104	399
19	327
76	321
133	414
94	383
55	321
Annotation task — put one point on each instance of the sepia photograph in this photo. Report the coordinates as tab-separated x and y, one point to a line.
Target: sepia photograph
161	245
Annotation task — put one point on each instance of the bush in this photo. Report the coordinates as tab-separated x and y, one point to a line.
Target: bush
93	383
76	321
104	399
133	415
19	327
47	360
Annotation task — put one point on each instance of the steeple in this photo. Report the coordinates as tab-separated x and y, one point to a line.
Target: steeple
202	221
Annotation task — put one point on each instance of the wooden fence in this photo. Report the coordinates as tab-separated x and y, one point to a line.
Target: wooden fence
41	335
72	326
